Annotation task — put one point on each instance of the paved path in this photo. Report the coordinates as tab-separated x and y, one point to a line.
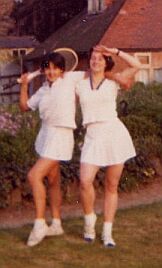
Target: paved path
148	195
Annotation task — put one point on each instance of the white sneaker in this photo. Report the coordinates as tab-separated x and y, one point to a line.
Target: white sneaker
55	229
89	230
37	235
108	241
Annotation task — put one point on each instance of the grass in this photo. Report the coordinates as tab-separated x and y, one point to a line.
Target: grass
137	231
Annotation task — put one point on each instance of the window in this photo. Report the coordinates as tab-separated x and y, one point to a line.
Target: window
18	52
158	75
144	59
15	53
96	6
22	52
143	76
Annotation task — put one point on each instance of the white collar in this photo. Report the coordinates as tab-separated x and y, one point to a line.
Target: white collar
50	85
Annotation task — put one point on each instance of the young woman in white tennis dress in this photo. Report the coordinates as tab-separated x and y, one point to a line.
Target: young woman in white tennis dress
55	101
107	142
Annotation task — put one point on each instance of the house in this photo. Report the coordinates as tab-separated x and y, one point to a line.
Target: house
12	49
81	33
134	26
138	29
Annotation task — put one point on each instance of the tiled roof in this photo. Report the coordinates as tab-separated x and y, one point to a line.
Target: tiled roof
80	33
138	26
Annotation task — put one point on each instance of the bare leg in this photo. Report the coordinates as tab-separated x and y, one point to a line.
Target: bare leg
112	178
87	176
113	174
55	192
35	176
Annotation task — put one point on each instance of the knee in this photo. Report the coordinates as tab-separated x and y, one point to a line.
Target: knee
54	182
31	177
111	187
85	184
34	177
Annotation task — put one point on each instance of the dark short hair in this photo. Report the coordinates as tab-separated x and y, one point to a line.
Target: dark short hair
108	60
56	58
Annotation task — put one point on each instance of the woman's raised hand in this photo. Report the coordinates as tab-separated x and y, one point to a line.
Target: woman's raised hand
105	50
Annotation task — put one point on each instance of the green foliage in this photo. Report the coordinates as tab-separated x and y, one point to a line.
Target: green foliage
141	111
17	155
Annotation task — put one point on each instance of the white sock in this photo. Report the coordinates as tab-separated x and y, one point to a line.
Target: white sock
39	222
89	218
107	228
56	221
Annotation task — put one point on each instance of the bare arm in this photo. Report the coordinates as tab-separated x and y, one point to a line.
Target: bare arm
24	94
131	60
124	78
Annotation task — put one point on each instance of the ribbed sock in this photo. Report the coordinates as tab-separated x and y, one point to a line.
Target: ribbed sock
56	221
89	218
107	228
39	223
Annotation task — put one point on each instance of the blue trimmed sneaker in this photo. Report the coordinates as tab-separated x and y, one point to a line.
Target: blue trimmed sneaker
89	231
108	241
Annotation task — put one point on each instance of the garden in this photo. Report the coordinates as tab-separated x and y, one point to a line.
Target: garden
141	111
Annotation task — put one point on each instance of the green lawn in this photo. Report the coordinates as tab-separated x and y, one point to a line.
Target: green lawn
137	231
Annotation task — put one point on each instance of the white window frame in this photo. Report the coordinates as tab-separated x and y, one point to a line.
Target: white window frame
157	69
145	54
147	66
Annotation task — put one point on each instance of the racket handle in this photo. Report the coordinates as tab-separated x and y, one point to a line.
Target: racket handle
30	76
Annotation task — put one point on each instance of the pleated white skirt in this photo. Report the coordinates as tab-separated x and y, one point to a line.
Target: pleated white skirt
55	143
107	144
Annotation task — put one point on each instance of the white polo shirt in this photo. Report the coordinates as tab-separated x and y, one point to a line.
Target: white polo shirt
97	105
56	104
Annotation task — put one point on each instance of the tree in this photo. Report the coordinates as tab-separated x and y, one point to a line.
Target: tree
6	23
45	16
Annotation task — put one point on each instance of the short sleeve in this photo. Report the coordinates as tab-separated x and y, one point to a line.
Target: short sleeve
77	76
34	100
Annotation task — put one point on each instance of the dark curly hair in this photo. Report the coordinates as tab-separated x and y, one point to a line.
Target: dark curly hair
56	58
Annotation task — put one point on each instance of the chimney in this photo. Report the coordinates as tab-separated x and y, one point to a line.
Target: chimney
96	6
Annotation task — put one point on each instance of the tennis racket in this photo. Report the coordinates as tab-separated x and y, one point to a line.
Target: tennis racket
71	62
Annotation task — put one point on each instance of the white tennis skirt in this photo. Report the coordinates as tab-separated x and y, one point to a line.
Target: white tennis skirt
55	143
107	144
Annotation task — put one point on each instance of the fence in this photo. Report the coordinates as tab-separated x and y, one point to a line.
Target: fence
9	88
